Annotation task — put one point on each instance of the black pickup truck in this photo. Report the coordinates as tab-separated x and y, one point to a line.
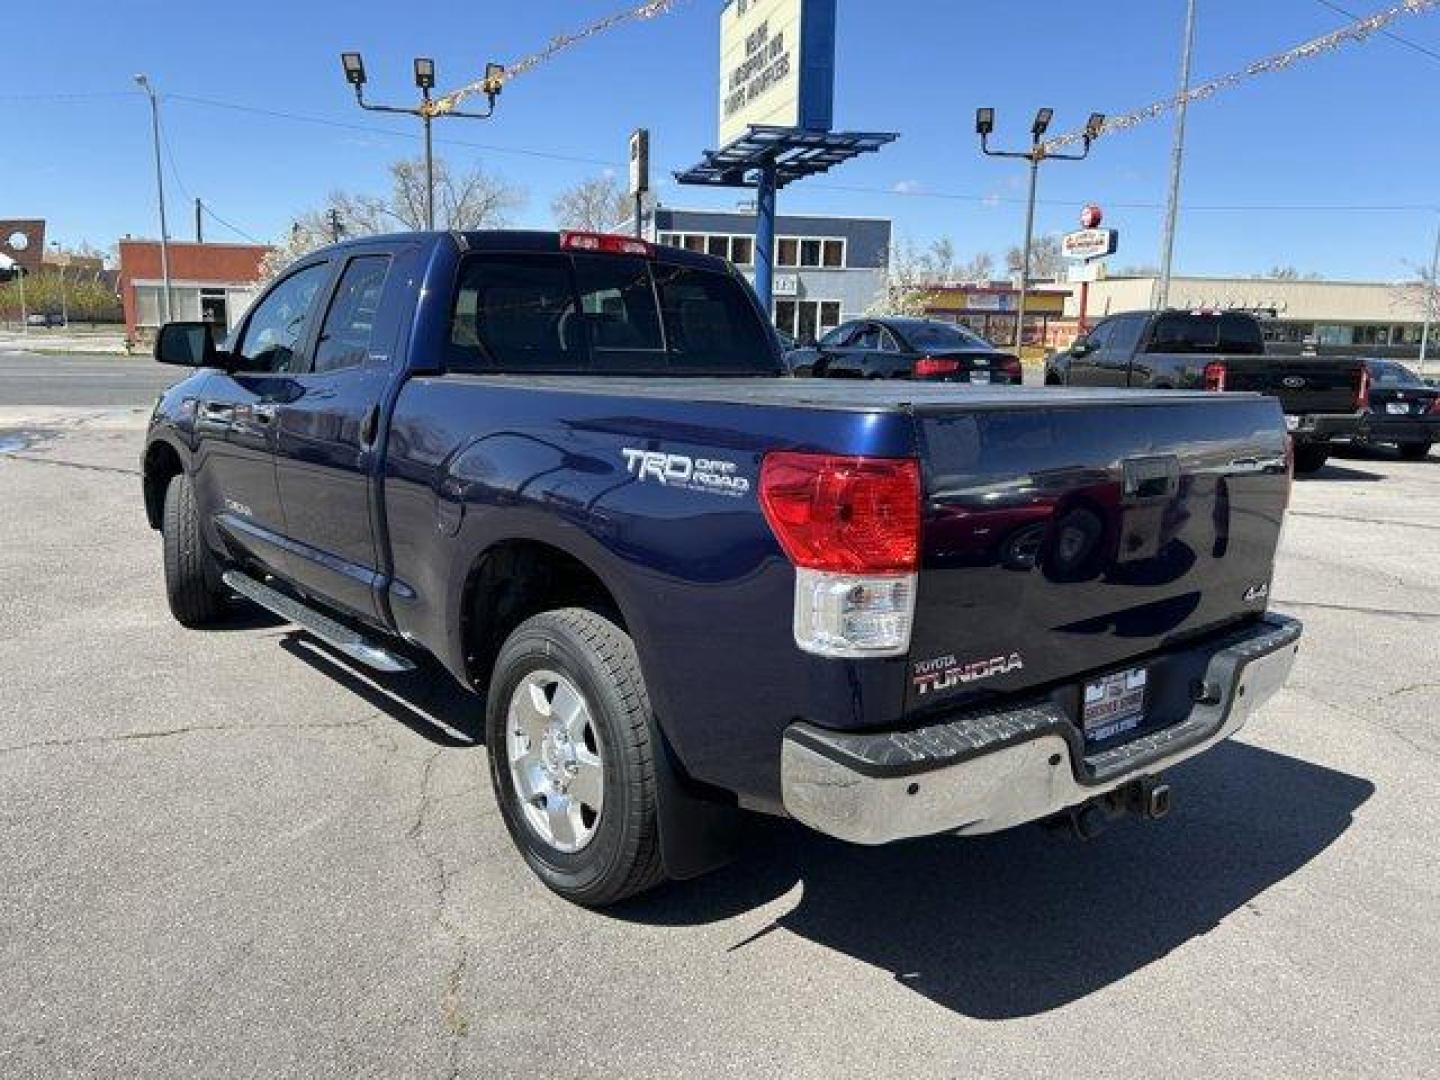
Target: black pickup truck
684	586
1323	396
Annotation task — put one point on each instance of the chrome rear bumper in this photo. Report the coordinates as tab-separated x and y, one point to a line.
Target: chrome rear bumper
988	771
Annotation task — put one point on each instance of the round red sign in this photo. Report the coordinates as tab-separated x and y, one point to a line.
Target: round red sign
1091	217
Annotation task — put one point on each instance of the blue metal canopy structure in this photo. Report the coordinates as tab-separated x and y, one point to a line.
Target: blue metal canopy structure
768	159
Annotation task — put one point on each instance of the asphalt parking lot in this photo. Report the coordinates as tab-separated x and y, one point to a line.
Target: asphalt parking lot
230	853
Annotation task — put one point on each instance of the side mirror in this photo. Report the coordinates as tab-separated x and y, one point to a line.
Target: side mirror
188	344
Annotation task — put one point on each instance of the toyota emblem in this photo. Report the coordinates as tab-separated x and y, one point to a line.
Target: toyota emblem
1294	382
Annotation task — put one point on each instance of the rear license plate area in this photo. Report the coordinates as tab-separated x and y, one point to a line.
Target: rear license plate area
980	377
1397	408
1113	705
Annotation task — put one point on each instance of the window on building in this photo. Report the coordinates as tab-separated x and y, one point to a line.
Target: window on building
807	320
1371	335
1333	334
742	250
718	246
834	254
788	252
810	253
695	243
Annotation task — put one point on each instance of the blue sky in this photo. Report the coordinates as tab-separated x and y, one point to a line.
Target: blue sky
1355	129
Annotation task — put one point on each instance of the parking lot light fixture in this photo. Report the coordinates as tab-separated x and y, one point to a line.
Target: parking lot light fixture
428	110
1037	153
354	67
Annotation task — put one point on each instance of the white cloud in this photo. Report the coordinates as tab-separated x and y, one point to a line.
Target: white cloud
908	187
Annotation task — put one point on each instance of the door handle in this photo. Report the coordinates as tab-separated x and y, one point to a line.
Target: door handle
370	426
264	412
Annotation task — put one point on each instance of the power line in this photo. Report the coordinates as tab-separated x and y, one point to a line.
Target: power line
1358	31
180	183
1398	39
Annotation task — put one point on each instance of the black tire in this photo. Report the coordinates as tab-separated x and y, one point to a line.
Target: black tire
623	856
1310	458
192	575
1415	451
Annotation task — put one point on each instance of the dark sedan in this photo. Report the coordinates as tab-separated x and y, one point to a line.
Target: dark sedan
899	348
1403	409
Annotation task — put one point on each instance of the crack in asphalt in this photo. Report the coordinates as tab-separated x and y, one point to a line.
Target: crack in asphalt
1423	616
61	463
168	733
1362	520
452	1012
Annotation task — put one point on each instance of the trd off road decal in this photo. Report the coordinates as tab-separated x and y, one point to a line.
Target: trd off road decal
946	672
687	473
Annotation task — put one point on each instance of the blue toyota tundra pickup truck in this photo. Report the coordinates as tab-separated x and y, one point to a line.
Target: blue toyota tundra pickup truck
571	469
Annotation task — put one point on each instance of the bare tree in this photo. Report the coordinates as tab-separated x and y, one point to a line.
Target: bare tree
980	267
1046	260
463	201
909	281
594	205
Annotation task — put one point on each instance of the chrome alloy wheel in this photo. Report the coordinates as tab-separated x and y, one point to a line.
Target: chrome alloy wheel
554	754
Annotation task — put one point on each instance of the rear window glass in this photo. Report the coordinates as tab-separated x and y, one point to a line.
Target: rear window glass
940	336
606	315
1203	332
1390	374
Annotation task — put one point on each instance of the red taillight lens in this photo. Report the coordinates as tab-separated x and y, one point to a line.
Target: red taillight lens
933	367
1435	406
604	243
853	515
1009	366
1362	395
1215	375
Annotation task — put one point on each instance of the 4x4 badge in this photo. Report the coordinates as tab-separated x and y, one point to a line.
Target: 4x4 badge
1256	592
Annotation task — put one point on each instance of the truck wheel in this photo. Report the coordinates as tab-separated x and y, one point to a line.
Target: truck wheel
1415	451
568	733
192	574
1311	457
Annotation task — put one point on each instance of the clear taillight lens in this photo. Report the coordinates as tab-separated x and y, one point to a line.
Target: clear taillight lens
854	615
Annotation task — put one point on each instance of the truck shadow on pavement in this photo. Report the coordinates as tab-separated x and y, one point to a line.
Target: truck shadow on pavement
997	927
1024	922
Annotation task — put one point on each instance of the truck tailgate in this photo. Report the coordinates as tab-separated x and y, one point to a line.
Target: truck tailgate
1304	384
1064	541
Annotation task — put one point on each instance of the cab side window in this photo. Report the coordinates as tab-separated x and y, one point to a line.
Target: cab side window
1126	337
276	328
350	323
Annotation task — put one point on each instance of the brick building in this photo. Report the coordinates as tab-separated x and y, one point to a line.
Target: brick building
23	241
213	282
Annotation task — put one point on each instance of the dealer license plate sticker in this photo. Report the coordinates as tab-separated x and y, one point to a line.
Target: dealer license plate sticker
979	377
1114	704
1398	408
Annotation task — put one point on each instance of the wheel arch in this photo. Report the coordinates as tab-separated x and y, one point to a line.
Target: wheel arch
162	463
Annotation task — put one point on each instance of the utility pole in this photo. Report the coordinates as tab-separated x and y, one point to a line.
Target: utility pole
199	229
337	228
1431	287
1177	161
144	84
1038	152
428	110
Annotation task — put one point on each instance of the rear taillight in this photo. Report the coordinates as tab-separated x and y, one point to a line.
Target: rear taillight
1215	375
1435	407
603	243
1009	366
1362	395
934	367
851	526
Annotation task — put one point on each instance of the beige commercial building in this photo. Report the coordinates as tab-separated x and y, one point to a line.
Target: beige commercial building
1389	317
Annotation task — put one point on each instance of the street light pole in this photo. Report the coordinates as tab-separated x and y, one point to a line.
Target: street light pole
1431	287
1038	152
428	109
1177	161
144	84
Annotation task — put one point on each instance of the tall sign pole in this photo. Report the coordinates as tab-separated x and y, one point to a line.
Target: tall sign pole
640	176
1431	288
1177	161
